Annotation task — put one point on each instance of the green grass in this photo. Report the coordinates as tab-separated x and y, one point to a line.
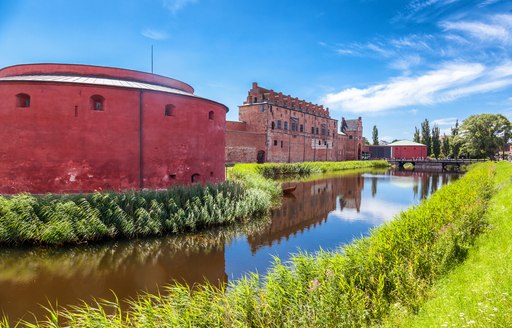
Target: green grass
272	170
479	292
393	270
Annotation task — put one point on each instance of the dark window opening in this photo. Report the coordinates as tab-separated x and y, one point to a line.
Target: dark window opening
275	142
211	115
22	100
301	128
255	99
211	173
323	131
169	110
316	130
279	124
285	125
281	144
312	130
273	125
97	103
195	178
172	176
350	137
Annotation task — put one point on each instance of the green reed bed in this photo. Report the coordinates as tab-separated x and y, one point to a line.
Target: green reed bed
72	219
54	220
358	285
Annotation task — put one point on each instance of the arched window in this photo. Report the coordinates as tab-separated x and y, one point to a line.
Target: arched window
169	110
97	103
211	115
22	100
195	178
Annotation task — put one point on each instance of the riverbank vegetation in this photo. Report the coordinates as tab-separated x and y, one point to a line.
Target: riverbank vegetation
74	219
272	170
55	220
392	270
478	293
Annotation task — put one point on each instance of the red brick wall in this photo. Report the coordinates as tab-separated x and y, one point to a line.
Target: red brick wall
280	145
59	144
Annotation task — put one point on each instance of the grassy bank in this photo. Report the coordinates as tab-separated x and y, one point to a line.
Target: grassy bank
394	268
479	292
271	170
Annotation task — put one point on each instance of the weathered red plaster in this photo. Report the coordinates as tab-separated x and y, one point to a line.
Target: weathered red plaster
59	144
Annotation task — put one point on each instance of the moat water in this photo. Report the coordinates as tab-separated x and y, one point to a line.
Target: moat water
324	213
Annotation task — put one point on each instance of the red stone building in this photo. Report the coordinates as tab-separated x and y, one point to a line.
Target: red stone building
408	149
279	128
79	128
398	150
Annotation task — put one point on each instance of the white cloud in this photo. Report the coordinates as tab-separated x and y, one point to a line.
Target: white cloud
445	121
405	63
154	34
479	30
176	5
444	84
496	28
345	52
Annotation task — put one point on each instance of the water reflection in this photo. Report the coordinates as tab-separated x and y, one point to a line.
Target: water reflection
29	277
323	213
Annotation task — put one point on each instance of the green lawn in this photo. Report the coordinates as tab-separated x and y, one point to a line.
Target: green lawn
477	293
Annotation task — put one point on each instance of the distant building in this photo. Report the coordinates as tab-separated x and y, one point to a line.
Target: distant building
398	149
274	127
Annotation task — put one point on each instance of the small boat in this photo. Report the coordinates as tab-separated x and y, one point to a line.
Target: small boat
289	189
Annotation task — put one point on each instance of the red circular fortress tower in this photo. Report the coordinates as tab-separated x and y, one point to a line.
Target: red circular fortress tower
80	128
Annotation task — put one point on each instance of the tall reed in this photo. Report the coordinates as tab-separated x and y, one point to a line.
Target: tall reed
55	220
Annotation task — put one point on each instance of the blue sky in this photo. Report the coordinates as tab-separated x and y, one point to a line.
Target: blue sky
392	62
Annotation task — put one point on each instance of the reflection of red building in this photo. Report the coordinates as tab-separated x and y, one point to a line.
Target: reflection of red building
275	127
78	128
310	205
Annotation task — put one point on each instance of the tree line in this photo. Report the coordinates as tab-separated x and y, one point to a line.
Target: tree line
479	136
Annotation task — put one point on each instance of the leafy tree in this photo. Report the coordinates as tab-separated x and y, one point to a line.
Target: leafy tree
445	145
436	143
426	139
455	130
375	136
365	141
416	135
481	136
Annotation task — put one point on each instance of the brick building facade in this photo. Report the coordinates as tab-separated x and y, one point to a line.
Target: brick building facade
80	128
274	127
